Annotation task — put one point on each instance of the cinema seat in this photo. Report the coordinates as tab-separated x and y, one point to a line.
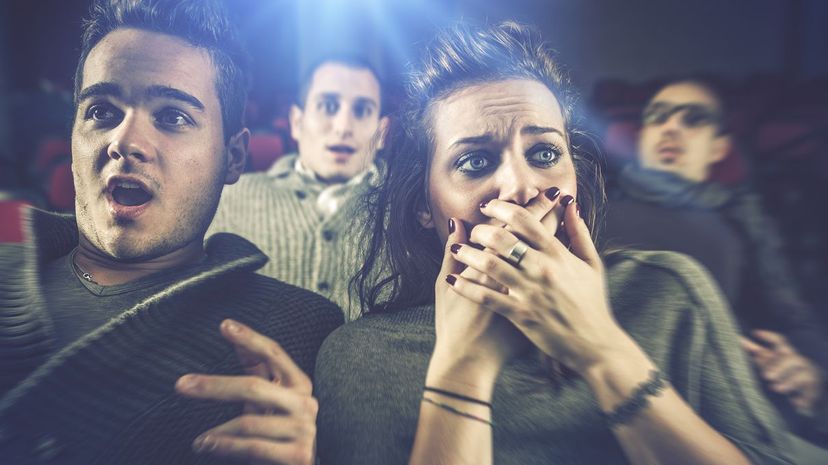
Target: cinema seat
264	150
11	224
61	188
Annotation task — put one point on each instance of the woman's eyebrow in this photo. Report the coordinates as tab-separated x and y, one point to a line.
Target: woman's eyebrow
473	140
537	130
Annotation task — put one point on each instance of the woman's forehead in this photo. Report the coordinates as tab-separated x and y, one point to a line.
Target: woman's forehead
497	108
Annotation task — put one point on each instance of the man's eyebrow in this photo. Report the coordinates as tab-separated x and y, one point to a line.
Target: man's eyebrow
366	101
174	94
538	130
108	89
328	96
472	140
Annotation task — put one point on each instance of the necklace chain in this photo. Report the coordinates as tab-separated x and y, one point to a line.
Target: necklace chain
83	274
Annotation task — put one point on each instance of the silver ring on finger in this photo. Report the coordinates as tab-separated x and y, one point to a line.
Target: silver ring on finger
517	252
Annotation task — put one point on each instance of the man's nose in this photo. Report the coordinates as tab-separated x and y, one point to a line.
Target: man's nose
518	183
343	123
132	139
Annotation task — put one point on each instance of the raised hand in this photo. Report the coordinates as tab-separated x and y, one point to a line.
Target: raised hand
786	371
471	343
278	424
556	296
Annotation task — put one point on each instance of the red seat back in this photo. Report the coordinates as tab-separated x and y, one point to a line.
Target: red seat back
264	150
11	220
61	193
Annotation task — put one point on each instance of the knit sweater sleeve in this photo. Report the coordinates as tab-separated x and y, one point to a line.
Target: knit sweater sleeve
720	384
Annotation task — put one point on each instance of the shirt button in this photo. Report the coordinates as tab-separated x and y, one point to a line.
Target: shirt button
323	286
328	235
301	195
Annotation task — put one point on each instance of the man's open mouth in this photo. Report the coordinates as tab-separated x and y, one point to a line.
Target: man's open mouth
129	193
342	149
669	154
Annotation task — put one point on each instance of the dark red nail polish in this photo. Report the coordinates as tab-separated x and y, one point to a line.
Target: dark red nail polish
452	226
451	279
552	193
455	248
484	203
578	209
566	200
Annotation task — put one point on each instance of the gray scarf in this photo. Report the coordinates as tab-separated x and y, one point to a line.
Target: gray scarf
768	270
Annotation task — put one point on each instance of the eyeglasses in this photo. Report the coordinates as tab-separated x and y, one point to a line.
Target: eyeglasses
693	115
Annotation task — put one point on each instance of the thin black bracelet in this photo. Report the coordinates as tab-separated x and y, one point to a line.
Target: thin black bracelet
457	396
455	411
638	401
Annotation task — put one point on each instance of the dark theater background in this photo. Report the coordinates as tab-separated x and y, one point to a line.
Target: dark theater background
771	57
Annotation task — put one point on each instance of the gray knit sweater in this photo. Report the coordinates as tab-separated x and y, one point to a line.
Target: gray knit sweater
369	404
109	397
275	210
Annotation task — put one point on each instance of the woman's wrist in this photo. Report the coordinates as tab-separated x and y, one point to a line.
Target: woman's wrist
469	376
614	377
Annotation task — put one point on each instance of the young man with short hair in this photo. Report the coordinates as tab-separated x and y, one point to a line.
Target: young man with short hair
123	337
304	212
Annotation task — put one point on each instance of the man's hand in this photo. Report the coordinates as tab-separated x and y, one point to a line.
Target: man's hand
785	370
278	424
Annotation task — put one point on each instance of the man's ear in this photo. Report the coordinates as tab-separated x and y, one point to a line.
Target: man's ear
720	149
382	132
295	117
237	155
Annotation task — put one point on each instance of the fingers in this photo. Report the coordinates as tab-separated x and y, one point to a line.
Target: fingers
543	208
580	240
457	235
772	340
782	369
502	304
500	242
482	295
521	222
488	264
258	450
792	382
249	389
751	347
267	427
264	357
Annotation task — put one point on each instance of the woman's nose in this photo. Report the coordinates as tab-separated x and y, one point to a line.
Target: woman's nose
517	181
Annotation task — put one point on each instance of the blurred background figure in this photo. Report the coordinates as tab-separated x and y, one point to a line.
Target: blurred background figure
304	212
667	201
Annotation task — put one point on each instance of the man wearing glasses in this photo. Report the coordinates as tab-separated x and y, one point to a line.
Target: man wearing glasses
666	201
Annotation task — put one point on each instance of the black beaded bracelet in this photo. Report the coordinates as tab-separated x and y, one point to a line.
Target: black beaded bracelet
457	396
638	401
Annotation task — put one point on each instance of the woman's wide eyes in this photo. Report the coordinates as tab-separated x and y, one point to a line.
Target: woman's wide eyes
541	155
544	154
473	162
